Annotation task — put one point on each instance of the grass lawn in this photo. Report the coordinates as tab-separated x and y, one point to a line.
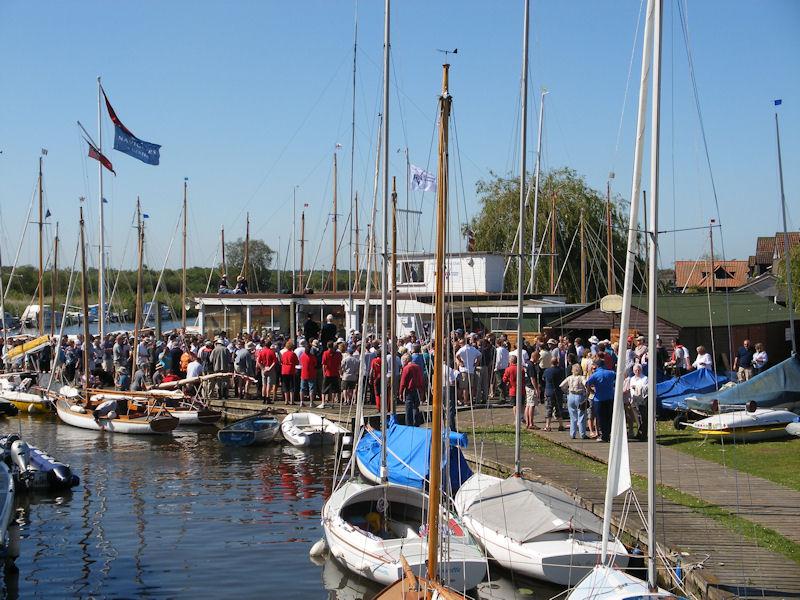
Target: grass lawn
764	537
777	461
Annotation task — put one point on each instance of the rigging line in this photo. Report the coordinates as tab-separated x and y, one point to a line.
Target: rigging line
119	270
164	266
19	246
627	87
291	138
566	258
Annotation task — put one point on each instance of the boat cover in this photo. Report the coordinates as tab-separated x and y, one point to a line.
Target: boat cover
408	455
673	392
778	387
524	510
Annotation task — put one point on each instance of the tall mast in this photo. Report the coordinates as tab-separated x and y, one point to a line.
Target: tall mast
532	280
334	282
183	256
139	291
553	243
84	304
352	166
3	304
435	488
393	301
523	149
619	469
302	246
294	240
387	347
652	289
583	260
611	285
246	257
101	284
789	290
54	285
222	240
358	241
711	258
41	263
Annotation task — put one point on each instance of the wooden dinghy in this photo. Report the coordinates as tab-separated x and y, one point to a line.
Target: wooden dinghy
116	413
304	429
188	411
250	431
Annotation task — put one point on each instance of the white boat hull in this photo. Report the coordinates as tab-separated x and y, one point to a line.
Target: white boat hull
378	558
304	429
7	492
743	425
605	583
87	421
561	557
26	402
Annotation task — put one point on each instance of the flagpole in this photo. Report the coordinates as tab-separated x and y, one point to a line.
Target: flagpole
101	285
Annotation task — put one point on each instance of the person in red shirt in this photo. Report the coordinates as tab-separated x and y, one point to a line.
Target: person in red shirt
375	378
308	377
289	361
331	382
510	380
412	384
267	361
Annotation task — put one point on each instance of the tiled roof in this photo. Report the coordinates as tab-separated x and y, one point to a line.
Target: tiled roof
794	240
765	248
695	274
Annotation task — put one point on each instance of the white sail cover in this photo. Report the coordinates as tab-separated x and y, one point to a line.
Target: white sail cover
523	510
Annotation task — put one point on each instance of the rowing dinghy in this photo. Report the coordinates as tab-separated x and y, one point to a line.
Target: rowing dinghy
304	429
749	425
116	414
258	429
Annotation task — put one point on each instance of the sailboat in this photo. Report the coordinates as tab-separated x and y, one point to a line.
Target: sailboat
530	527
605	582
377	531
100	410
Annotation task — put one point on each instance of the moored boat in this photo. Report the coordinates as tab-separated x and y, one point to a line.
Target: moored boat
34	469
752	424
102	414
258	429
15	388
304	429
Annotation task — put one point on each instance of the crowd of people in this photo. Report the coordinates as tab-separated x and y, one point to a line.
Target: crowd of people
322	363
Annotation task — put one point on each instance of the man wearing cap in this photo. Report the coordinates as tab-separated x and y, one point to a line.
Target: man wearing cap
220	363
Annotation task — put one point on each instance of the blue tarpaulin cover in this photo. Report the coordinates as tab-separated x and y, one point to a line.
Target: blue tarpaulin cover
408	456
672	393
777	387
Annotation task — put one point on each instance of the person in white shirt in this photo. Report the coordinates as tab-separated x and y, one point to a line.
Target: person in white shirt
500	366
703	360
760	359
467	358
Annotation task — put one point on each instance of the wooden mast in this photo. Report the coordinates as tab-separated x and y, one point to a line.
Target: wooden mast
334	282
54	285
246	256
224	266
439	335
183	256
357	234
583	260
611	284
84	305
41	263
393	291
302	247
553	244
138	303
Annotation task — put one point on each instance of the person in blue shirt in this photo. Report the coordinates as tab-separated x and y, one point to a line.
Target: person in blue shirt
602	382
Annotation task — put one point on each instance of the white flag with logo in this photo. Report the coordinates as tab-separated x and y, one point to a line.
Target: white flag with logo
422	180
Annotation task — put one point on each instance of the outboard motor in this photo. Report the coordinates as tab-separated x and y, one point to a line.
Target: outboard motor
20	455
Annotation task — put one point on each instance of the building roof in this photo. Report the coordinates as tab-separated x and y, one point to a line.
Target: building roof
765	249
695	274
736	308
794	240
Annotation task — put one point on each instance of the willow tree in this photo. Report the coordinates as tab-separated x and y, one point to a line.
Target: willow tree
495	228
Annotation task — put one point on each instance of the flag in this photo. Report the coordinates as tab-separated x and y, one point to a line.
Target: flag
99	156
778	102
105	200
145	216
126	142
47	214
44	151
422	180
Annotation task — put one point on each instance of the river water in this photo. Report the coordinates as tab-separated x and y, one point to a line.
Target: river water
183	517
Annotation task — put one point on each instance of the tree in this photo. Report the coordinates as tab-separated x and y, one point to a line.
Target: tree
780	268
259	259
495	228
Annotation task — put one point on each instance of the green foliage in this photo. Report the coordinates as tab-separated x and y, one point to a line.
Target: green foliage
259	259
794	261
496	224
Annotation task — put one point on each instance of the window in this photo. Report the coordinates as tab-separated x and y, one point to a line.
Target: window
412	272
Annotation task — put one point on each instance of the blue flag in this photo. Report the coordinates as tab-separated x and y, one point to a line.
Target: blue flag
145	216
778	102
146	152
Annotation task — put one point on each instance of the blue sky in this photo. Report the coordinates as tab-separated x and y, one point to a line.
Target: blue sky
249	100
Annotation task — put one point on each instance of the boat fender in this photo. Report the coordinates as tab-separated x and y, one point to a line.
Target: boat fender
31	408
319	548
77	409
112	415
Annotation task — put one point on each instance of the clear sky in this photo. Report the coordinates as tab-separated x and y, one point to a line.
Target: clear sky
249	100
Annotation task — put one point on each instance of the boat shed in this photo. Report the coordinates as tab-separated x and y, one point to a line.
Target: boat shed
719	321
